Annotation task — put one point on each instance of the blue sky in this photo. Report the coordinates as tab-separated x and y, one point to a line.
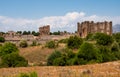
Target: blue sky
30	12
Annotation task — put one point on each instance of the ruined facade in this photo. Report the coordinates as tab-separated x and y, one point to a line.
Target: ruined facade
84	28
45	30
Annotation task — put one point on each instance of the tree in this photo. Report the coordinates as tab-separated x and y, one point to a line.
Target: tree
116	50
23	44
117	37
33	32
2	39
10	57
90	36
52	57
8	48
65	57
19	32
103	39
36	34
13	60
56	33
74	42
25	33
28	32
106	54
88	52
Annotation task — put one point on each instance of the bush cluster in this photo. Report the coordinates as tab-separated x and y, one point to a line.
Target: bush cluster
2	39
10	57
32	74
60	58
74	42
51	44
23	44
106	48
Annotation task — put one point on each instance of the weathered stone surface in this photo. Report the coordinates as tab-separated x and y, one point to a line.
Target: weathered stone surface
84	28
45	30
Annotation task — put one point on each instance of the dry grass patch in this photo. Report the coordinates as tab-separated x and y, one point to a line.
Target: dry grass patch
35	55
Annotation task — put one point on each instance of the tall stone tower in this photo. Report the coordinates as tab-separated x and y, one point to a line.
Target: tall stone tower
45	30
84	28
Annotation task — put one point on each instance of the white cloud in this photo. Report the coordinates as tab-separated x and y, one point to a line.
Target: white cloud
66	22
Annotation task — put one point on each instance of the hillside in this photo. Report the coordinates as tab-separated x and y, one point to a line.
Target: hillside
37	55
109	69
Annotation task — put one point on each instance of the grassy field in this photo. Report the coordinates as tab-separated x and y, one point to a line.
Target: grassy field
109	69
37	55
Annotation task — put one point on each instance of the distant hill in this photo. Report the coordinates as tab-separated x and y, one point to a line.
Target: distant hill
116	28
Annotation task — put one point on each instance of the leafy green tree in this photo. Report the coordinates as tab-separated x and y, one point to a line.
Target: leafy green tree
65	57
103	39
19	32
88	52
74	42
36	34
61	61
56	33
52	57
25	33
23	44
8	48
117	38
2	39
13	60
90	36
106	54
28	32
116	50
10	57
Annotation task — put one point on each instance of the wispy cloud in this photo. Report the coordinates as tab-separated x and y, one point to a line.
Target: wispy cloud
66	22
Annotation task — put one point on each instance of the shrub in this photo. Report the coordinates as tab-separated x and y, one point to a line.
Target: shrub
117	37
65	58
2	39
103	39
88	52
10	57
61	58
34	43
32	74
8	48
90	36
54	55
61	61
51	44
74	42
13	60
106	54
63	40
23	44
116	50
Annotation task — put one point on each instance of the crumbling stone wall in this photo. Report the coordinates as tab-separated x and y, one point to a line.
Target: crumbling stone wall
84	28
45	30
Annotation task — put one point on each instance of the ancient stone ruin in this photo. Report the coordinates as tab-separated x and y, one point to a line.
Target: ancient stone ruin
84	28
45	30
